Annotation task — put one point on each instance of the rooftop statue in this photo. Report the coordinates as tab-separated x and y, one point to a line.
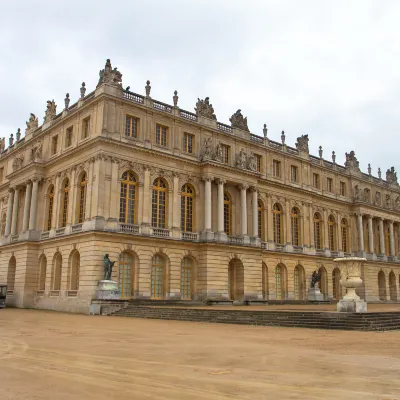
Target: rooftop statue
302	144
205	109
50	111
238	121
33	123
351	161
391	175
110	76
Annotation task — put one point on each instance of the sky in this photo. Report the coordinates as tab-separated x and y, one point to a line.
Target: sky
329	69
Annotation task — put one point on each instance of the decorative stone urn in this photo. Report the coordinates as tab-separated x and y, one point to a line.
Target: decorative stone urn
350	279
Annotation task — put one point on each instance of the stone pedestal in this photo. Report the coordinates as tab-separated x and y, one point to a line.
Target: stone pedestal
350	279
107	290
314	294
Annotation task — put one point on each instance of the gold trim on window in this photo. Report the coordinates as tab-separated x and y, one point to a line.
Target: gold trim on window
127	199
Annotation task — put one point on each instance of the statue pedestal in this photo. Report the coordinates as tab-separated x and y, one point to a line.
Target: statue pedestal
107	290
357	306
314	294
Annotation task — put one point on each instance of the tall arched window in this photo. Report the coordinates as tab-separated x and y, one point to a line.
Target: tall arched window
323	283
392	286
277	223
126	275
294	219
260	220
159	203
82	198
157	277
65	202
56	273
42	273
265	286
74	267
50	207
127	199
12	266
186	278
337	289
299	283
317	231
187	202
345	236
227	214
280	282
382	286
331	233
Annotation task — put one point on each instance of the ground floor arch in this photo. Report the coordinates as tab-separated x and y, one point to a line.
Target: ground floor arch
236	280
323	283
126	274
392	286
382	286
264	281
336	286
299	281
159	284
281	282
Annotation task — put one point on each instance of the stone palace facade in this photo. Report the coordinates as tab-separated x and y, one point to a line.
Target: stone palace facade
190	208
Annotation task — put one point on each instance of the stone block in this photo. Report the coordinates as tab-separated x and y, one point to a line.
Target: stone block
107	290
314	294
353	306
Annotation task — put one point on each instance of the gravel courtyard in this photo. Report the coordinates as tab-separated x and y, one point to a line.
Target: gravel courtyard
49	355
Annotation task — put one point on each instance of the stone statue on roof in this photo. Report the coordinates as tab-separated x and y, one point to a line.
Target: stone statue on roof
51	111
351	161
110	76
238	121
391	176
205	109
302	144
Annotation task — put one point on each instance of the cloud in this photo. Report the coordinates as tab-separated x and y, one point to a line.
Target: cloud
329	69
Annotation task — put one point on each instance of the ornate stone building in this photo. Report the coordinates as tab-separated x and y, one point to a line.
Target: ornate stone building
190	208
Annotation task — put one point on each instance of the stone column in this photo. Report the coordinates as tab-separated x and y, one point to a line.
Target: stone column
381	236
360	232
243	205
15	211
33	211
255	211
311	213
325	239
288	230
95	186
146	211
89	189
9	211
392	248
176	207
207	203
56	202
74	198
370	235
113	212
220	210
27	204
339	232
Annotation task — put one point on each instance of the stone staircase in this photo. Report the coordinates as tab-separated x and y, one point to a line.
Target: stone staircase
377	321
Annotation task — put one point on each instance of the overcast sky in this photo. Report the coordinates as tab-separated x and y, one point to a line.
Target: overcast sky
329	69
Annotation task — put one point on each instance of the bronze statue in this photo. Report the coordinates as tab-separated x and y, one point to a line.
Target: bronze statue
316	277
108	266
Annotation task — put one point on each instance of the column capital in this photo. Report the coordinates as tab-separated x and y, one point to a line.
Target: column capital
243	186
253	189
220	181
11	189
207	178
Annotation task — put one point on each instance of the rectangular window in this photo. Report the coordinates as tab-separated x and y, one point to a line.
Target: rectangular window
316	181
161	135
294	173
329	185
85	128
188	143
68	139
258	163
54	143
226	154
342	188
131	126
276	168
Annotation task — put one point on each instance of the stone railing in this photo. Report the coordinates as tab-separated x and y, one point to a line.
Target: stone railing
45	235
188	115
380	257
162	106
224	128
279	247
190	236
76	228
264	245
298	249
129	228
320	252
137	98
161	232
255	138
334	254
275	145
60	231
14	238
236	240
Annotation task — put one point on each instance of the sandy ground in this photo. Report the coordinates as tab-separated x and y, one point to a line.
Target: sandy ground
49	355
